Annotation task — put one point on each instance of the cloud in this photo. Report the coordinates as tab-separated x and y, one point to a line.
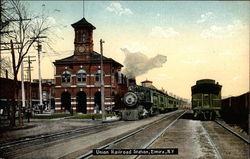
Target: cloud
117	8
160	32
223	31
205	17
136	47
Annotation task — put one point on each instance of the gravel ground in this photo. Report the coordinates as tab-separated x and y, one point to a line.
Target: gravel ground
43	127
68	148
228	145
190	139
139	140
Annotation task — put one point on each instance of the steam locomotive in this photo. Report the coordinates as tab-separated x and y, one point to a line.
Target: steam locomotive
206	99
141	102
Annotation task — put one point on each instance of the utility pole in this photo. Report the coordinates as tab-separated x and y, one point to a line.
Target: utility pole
30	87
0	38
39	49
102	83
22	84
20	36
2	25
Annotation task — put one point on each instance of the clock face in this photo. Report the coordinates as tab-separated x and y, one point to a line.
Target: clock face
81	49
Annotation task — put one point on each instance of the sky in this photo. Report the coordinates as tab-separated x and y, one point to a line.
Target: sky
201	40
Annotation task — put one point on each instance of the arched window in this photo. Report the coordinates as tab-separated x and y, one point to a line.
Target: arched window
66	75
81	75
83	37
98	76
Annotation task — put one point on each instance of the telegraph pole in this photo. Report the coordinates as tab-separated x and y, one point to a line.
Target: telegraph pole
2	25
0	38
102	82
30	86
23	92
22	84
39	49
30	90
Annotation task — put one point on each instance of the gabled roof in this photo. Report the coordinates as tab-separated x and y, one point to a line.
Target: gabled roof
83	23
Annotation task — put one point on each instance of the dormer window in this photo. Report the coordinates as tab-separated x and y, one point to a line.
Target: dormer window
66	76
81	76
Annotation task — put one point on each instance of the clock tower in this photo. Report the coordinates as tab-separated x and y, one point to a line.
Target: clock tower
83	39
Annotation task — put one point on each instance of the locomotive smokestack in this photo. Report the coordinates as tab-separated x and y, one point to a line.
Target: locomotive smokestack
131	81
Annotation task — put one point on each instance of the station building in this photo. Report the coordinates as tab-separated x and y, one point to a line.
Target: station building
78	80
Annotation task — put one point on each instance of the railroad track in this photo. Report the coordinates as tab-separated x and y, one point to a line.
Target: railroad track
217	138
216	151
90	153
26	144
233	132
33	139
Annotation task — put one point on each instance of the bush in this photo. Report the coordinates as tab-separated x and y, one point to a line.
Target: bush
51	116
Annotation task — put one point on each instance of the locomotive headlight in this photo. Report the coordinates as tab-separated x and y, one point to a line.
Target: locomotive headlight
130	99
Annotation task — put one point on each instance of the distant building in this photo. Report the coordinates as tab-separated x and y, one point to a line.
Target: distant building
6	93
148	84
77	78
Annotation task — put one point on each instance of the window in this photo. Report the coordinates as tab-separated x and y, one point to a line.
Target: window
81	75
120	75
98	76
66	75
83	37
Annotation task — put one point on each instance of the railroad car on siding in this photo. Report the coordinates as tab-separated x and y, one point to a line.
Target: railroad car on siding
142	102
235	110
206	99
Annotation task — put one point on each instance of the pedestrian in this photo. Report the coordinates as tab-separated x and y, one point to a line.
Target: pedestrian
28	115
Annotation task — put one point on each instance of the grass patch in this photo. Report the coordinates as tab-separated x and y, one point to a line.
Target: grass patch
51	116
89	116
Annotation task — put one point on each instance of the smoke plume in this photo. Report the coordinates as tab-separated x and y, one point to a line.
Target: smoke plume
137	63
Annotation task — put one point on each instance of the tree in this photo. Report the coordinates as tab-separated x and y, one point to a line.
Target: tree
6	66
25	30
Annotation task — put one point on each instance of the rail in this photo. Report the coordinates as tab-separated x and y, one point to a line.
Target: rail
159	134
90	153
33	139
234	133
212	143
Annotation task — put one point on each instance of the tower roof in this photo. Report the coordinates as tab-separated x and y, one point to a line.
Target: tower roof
83	23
